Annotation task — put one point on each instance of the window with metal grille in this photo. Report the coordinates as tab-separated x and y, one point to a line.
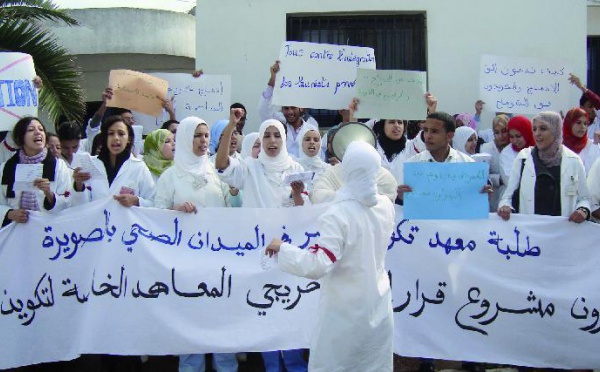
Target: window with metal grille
593	62
398	40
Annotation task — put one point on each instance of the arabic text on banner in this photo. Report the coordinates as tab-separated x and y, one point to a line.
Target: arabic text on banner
91	279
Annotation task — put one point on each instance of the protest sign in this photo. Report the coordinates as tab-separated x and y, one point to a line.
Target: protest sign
18	95
207	97
523	85
320	76
137	91
446	190
391	94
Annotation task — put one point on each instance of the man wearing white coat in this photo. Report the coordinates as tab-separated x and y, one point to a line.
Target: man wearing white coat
355	319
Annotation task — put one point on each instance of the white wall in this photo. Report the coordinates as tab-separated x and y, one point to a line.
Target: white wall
593	20
244	40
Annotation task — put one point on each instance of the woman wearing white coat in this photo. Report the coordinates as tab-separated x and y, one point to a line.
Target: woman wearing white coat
187	186
261	183
192	182
310	158
552	180
262	179
125	177
354	330
52	189
575	137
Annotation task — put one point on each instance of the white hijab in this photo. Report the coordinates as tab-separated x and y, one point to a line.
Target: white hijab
359	174
461	136
310	163
185	159
248	144
274	166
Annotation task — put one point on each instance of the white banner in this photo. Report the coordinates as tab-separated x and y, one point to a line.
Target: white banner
106	279
319	76
523	85
18	95
207	97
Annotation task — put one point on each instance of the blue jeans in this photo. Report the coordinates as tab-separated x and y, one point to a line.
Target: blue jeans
292	359
225	362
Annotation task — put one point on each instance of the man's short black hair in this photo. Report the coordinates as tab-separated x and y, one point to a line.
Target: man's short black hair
69	130
238	105
447	119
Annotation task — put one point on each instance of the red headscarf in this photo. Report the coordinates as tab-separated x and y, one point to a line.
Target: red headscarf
522	125
571	141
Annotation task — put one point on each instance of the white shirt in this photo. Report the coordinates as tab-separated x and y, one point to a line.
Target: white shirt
331	180
589	154
176	186
133	177
61	187
249	176
593	184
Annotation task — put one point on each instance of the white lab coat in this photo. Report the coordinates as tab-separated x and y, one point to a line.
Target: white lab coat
507	158
593	184
396	165
176	186
573	189
133	175
354	330
589	154
61	186
326	186
495	178
257	190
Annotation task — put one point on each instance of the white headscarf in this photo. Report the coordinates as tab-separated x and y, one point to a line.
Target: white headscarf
310	163
248	144
461	136
185	159
359	174
280	162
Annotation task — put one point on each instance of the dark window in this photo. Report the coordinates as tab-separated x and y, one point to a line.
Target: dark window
398	40
593	62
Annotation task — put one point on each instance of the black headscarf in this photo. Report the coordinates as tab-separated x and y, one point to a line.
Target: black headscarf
390	147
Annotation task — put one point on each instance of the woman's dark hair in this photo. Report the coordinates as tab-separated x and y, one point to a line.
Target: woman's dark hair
167	123
108	122
390	147
21	128
69	130
50	135
96	145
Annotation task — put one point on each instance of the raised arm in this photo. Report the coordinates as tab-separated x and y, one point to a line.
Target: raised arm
222	158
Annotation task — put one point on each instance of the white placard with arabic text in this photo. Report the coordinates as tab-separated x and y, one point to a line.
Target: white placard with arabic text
207	97
523	85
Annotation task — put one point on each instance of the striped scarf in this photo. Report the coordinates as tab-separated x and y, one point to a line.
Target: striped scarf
28	198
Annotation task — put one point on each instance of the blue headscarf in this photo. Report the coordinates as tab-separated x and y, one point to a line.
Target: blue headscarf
215	134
